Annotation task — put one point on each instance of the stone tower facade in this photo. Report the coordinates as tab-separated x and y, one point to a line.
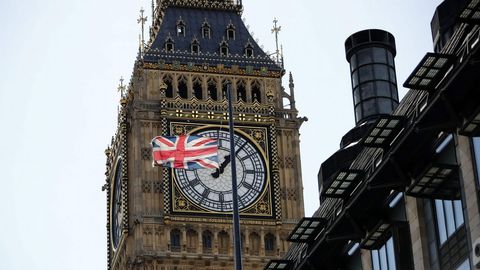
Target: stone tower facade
162	219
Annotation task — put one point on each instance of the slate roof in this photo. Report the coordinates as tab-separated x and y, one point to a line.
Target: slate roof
218	21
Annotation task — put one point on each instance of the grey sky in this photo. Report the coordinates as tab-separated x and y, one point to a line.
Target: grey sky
60	65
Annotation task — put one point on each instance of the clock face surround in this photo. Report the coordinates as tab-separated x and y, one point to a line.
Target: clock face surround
116	214
211	189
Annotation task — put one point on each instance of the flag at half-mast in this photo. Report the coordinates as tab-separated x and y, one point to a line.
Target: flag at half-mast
185	152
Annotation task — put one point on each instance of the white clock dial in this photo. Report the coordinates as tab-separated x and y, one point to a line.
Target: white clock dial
116	213
211	189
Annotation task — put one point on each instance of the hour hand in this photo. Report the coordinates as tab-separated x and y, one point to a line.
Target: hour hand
220	170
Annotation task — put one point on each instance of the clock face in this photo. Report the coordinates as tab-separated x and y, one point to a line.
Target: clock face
211	189
116	214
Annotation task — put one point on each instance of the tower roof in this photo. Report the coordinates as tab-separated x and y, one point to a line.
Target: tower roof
194	19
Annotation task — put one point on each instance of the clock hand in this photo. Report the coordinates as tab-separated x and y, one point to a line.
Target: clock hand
224	164
220	170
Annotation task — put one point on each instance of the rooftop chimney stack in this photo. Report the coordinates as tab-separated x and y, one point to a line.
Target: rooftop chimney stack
372	68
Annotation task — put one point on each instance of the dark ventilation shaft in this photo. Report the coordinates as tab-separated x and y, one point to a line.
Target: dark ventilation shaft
372	69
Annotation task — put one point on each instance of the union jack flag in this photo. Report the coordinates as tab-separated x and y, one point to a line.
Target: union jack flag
185	152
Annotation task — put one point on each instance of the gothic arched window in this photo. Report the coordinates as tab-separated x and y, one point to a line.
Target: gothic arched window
206	30
168	81
223	48
207	241
212	89
224	88
175	240
241	91
169	45
269	242
180	28
249	50
182	87
230	32
256	93
195	46
197	88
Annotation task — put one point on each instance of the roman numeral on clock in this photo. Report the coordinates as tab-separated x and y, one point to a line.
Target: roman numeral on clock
195	182
247	185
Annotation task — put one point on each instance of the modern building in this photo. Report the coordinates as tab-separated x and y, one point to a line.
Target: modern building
164	219
403	191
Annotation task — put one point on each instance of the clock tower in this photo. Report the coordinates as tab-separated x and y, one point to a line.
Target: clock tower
164	219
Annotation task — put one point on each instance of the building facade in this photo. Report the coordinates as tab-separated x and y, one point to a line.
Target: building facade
164	219
403	192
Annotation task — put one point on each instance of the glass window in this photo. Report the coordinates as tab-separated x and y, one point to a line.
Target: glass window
169	46
384	105
394	92
476	150
223	50
269	242
206	31
365	73
180	29
207	239
441	221
392	75
231	33
464	266
369	107
380	71
195	48
356	96
364	56
175	238
384	258
249	52
449	217
379	55
355	78
457	207
367	90
390	58
390	254
358	112
383	89
353	62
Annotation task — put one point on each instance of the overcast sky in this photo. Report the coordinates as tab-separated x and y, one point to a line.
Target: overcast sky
60	62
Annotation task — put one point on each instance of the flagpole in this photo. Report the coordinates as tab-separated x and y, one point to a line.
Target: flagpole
236	216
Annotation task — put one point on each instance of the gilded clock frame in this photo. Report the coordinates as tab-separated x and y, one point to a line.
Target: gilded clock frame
262	207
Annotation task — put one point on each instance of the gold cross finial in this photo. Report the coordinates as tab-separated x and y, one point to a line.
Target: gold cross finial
121	87
141	20
276	29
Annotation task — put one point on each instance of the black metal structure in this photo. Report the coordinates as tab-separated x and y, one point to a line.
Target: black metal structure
371	56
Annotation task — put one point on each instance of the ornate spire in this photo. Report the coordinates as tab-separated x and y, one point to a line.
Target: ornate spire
276	29
141	20
121	88
153	13
291	85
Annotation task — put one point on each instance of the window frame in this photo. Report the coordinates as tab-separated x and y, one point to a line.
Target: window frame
206	31
389	249
181	28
